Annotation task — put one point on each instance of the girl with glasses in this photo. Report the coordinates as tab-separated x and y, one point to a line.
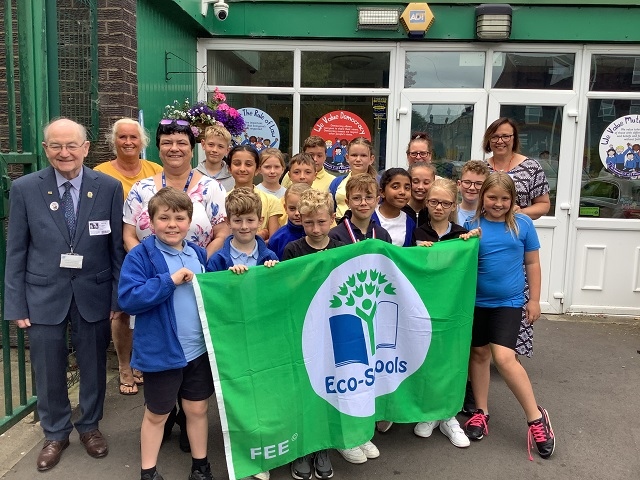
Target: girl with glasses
440	226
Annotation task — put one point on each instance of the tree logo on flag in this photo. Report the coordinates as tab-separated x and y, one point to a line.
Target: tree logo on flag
362	290
366	330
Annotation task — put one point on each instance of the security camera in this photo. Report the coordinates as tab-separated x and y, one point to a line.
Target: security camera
221	10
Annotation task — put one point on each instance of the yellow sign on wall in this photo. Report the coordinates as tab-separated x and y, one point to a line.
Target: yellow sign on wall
416	19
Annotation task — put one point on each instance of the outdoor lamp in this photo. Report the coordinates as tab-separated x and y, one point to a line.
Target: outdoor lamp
493	21
372	18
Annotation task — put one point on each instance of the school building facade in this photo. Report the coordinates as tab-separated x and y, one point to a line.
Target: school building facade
569	73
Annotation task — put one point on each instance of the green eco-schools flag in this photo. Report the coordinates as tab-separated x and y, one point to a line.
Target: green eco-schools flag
309	354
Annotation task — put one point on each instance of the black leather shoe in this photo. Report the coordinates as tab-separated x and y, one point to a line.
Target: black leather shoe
50	454
95	443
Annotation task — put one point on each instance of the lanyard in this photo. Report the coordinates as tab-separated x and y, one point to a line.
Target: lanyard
186	185
347	224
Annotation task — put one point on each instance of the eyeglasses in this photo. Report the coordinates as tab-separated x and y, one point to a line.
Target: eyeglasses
419	154
71	147
468	183
358	199
496	138
169	121
434	203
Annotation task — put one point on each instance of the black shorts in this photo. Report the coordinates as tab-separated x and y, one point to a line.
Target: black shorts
193	382
499	326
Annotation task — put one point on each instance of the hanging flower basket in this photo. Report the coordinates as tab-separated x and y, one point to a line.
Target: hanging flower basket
205	113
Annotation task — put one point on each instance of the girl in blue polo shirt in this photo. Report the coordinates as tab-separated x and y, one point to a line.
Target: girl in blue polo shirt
508	241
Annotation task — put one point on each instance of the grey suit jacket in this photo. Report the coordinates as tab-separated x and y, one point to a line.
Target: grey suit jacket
36	287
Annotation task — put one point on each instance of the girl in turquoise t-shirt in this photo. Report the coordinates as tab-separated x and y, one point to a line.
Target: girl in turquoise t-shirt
508	240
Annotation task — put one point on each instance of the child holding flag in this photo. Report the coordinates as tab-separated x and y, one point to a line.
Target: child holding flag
441	202
243	248
155	284
508	240
317	215
356	225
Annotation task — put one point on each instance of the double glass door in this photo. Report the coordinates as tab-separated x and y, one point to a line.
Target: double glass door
456	120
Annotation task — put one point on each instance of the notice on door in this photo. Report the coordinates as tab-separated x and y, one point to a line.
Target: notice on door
620	147
337	129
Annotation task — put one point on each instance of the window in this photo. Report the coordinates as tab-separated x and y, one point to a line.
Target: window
533	70
617	73
444	70
294	86
250	68
345	69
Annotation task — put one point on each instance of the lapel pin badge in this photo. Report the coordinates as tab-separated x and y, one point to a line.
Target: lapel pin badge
53	206
90	194
49	193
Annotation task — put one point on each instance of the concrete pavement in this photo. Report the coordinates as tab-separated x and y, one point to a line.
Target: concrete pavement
585	371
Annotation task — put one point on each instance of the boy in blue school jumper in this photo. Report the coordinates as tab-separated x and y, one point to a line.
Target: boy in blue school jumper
155	284
293	230
243	248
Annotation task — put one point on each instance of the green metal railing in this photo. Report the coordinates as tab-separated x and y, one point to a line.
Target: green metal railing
21	150
52	71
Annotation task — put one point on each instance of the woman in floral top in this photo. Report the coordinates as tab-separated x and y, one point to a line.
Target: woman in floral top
175	142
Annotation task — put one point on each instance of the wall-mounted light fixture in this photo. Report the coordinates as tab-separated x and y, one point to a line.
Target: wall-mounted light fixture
372	18
493	21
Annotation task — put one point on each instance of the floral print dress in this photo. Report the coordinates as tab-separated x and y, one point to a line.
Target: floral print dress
208	209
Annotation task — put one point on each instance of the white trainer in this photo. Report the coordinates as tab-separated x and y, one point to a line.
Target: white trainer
452	430
425	429
370	450
353	455
262	475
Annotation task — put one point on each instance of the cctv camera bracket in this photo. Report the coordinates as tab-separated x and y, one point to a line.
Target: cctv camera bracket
204	5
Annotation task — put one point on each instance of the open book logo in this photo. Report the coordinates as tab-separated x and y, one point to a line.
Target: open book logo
366	330
361	292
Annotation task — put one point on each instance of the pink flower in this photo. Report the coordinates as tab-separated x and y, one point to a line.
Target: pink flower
195	130
144	222
233	112
223	107
196	194
218	96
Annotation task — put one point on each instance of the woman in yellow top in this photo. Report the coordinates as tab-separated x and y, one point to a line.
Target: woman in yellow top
127	139
243	165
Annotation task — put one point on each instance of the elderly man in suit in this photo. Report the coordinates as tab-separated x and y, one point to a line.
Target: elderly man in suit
64	253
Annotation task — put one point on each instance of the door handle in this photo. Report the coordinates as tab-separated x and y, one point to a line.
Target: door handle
565	206
401	111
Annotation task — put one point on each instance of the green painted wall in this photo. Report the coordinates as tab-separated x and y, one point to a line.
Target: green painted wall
161	27
538	20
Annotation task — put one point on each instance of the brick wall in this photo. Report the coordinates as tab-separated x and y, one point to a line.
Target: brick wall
117	64
117	71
